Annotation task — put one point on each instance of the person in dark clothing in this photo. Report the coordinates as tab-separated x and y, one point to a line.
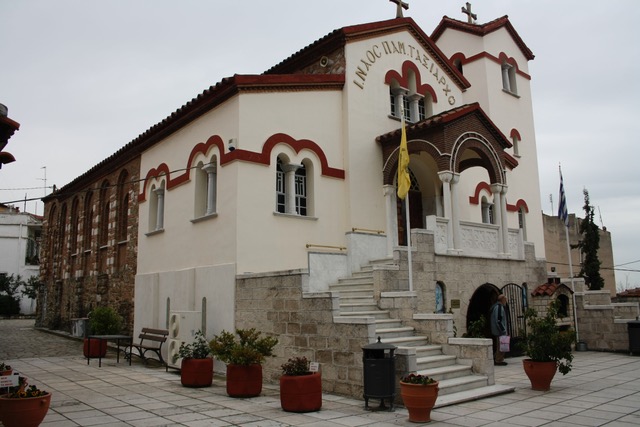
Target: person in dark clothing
498	328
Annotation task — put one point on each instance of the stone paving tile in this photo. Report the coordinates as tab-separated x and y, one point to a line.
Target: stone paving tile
603	389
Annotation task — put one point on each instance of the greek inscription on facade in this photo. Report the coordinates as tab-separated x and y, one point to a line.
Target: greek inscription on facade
391	47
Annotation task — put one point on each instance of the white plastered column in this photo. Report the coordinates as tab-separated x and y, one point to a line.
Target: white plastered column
500	210
210	169
160	208
389	192
289	170
446	178
455	212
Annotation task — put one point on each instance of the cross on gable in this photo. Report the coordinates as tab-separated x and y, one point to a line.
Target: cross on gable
471	17
400	5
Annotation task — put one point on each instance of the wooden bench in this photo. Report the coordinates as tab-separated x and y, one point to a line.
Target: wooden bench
151	340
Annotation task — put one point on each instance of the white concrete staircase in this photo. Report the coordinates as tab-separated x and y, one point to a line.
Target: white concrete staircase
457	381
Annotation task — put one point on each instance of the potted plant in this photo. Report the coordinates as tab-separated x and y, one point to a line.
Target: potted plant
25	407
548	349
102	321
5	369
243	356
300	389
419	394
196	368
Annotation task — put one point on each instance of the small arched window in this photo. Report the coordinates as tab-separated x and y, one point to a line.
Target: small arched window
293	184
563	305
440	298
487	211
156	208
509	78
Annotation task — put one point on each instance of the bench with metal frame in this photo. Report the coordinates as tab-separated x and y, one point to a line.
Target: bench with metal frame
151	340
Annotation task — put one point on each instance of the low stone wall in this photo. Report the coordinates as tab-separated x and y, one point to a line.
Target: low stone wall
275	305
602	325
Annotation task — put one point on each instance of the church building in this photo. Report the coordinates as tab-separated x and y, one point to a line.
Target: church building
270	200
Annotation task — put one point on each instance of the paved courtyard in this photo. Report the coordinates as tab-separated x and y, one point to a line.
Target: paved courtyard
602	389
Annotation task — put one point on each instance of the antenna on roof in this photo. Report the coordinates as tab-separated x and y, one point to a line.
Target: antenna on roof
600	215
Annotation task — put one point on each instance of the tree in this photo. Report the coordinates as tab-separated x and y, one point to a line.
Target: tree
9	301
589	246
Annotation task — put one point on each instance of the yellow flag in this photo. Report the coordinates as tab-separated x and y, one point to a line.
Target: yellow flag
404	182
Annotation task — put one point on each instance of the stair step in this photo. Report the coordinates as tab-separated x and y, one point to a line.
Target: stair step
473	394
428	350
378	314
446	372
387	333
455	385
413	341
430	362
388	323
346	308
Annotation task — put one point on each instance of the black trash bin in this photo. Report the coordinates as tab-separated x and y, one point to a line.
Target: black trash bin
634	336
379	366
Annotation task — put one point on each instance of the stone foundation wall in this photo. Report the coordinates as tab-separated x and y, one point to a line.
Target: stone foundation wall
303	323
602	324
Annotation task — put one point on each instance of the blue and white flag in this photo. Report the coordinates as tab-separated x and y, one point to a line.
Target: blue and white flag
563	214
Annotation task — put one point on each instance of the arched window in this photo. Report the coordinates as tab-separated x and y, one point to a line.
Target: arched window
487	211
292	185
509	78
563	305
73	235
87	231
156	208
103	227
53	217
122	219
206	183
60	240
522	222
440	297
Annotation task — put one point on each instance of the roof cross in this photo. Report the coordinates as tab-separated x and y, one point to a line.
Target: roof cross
471	17
401	5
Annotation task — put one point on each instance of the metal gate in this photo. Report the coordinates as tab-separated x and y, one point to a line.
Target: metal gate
516	305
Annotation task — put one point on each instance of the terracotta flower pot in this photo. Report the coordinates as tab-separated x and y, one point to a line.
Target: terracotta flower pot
419	400
540	373
301	393
98	348
244	381
27	412
196	372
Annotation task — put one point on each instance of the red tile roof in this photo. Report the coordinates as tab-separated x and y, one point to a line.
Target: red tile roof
548	289
630	293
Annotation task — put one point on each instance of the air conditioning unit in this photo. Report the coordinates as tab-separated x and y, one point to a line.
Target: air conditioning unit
183	326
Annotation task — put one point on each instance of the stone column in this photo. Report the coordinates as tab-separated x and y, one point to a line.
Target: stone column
503	214
289	170
210	169
160	209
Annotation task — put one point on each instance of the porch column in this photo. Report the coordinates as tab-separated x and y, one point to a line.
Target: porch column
455	211
496	190
446	178
390	203
505	225
289	170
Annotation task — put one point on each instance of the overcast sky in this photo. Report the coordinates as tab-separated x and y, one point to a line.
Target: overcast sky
84	77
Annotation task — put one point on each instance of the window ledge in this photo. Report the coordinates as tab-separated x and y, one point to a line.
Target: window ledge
511	93
154	232
308	218
204	217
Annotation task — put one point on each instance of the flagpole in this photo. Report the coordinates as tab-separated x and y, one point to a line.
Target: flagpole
563	214
406	204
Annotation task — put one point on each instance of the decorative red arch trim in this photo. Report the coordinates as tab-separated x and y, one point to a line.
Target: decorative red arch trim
475	199
403	80
497	60
520	204
263	158
515	134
